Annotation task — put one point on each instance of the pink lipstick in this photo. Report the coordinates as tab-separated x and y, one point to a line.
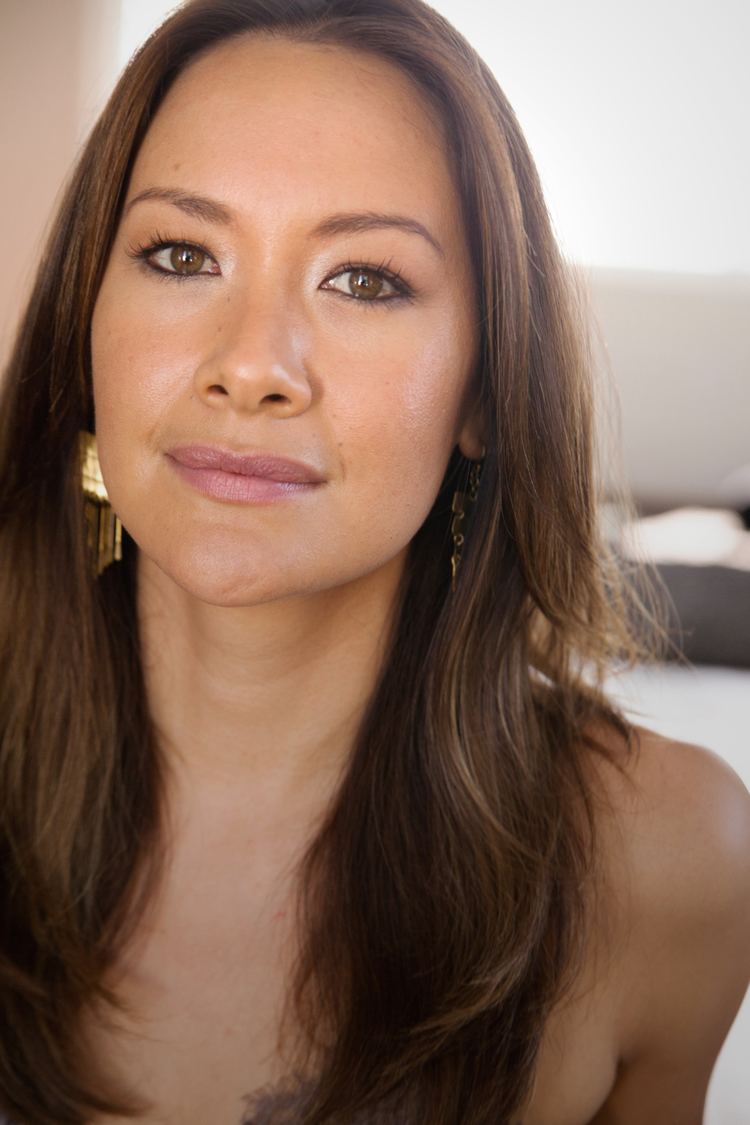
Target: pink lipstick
242	478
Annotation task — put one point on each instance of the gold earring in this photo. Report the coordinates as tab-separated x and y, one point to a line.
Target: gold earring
458	508
103	527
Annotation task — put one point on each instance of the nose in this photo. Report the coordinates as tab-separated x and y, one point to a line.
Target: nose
255	363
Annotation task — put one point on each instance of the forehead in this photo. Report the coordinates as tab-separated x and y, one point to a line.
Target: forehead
279	120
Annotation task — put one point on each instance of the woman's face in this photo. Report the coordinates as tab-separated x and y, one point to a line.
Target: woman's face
272	334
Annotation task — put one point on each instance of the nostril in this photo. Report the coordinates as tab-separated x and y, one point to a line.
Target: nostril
219	388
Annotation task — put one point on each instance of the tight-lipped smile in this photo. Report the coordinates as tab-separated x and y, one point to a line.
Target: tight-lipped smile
239	478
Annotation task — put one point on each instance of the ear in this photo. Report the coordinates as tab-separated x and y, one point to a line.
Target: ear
472	437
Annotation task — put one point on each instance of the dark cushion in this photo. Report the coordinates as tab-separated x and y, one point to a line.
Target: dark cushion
710	616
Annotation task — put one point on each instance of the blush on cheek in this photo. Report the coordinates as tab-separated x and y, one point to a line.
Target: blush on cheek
430	443
430	404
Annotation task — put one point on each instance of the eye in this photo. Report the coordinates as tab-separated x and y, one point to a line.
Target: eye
175	259
370	284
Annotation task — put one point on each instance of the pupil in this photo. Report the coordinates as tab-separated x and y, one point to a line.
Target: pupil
363	282
186	260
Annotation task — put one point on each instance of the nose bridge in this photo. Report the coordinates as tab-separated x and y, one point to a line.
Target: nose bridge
262	307
257	348
259	324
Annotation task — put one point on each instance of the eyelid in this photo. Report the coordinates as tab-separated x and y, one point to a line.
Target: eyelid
394	278
142	251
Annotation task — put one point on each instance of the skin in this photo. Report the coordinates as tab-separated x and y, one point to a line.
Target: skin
263	625
276	612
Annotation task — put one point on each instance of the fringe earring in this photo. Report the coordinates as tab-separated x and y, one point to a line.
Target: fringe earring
458	508
103	527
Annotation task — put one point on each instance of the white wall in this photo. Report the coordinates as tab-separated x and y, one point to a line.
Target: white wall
678	348
137	19
637	117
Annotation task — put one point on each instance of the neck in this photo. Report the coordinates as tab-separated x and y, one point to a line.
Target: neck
262	701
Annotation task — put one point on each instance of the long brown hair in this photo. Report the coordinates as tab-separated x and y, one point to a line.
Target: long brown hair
442	905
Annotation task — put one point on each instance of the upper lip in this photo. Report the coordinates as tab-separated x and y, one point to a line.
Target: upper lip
246	464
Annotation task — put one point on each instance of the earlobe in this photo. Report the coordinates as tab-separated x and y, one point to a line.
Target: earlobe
472	435
472	440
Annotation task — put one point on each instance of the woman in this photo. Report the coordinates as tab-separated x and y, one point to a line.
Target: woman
313	806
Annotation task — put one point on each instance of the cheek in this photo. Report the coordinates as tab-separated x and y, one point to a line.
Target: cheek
137	369
405	419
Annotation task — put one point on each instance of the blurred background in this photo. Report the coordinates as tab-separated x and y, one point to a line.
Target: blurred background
637	118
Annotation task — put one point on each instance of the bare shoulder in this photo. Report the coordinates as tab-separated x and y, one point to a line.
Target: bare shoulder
678	824
675	832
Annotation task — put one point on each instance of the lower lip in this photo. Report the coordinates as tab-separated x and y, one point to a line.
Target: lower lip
237	488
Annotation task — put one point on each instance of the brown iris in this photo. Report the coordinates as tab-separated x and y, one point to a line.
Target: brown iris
186	259
365	283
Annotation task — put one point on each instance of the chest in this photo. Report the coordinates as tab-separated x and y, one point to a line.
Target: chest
205	1008
204	982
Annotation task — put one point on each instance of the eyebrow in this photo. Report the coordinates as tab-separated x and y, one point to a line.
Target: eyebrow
350	222
197	206
354	221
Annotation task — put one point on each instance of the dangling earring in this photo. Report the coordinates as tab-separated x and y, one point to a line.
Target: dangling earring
103	527
458	508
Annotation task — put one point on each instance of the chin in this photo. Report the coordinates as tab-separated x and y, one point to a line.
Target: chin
226	583
227	578
221	569
227	593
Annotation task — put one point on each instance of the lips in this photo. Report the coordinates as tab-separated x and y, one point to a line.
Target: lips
240	478
262	465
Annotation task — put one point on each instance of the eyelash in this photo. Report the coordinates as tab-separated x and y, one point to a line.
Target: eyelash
144	251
